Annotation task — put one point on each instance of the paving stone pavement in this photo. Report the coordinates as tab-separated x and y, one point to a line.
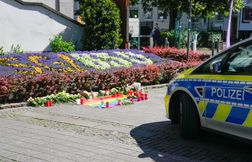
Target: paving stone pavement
138	132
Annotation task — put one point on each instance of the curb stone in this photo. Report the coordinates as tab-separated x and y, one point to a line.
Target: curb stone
156	86
23	104
13	105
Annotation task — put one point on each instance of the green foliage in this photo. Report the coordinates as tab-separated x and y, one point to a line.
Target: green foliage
102	19
61	97
205	8
1	51
16	49
214	36
58	45
175	36
205	38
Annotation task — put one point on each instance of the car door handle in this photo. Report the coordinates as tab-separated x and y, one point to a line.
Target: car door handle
248	89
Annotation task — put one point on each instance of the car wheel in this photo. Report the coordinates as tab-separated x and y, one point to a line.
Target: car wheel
189	118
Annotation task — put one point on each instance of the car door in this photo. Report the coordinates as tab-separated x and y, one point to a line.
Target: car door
228	95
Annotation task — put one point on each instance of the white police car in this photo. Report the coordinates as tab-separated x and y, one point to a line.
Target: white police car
215	95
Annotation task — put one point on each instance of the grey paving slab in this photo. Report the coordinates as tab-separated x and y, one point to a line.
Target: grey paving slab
138	132
46	133
60	119
21	158
6	153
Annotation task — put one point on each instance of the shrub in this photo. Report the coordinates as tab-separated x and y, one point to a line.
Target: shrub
58	45
173	37
102	19
16	49
206	38
1	50
21	87
176	54
214	36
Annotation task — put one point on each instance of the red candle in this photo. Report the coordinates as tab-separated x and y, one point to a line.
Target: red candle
119	102
107	105
146	96
50	103
46	104
82	101
142	97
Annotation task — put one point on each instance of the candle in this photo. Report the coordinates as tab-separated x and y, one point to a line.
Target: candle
78	102
119	102
107	105
146	96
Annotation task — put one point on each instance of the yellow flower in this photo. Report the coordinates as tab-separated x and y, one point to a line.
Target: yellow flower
70	61
58	63
4	60
37	70
18	65
35	59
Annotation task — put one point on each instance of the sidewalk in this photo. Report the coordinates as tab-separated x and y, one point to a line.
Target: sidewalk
133	133
76	133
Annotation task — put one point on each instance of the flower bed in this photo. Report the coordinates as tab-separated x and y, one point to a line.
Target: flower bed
72	62
21	87
176	54
76	72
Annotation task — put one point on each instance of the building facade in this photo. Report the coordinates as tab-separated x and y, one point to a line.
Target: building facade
32	25
66	7
148	18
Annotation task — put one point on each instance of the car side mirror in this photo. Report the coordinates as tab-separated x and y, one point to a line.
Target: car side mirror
216	66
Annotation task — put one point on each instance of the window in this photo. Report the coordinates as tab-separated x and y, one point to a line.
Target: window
240	62
205	68
148	14
247	14
162	15
133	13
237	60
220	17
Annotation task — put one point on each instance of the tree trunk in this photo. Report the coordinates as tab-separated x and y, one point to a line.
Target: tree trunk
123	5
229	24
173	16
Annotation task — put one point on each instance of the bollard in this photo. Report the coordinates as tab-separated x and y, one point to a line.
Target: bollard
166	42
151	42
218	46
212	48
194	45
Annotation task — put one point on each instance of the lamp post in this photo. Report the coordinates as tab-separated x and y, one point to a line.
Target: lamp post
177	33
189	28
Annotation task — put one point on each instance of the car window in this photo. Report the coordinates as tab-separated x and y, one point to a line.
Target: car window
240	62
205	68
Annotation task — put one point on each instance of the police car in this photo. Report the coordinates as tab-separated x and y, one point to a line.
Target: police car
216	95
